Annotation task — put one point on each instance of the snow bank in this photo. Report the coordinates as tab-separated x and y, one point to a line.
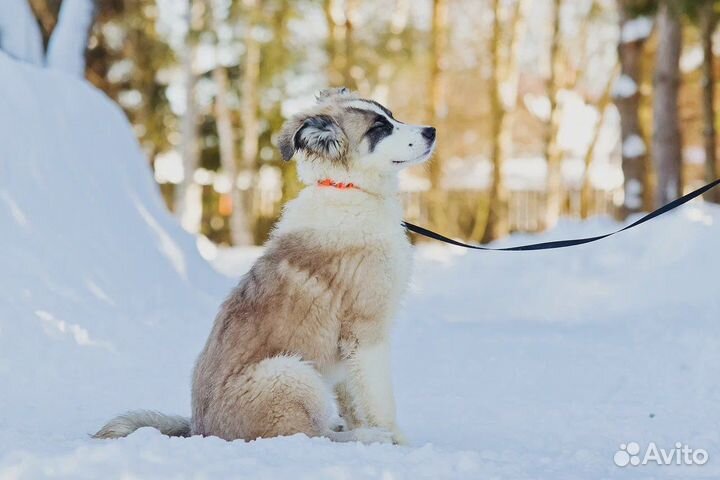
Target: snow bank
93	271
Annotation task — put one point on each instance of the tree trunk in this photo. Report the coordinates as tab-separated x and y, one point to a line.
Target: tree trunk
240	232
291	184
511	71
667	144
387	69
66	50
188	206
249	89
356	80
585	45
586	205
554	187
491	218
708	23
20	36
339	17
438	107
627	101
334	67
249	101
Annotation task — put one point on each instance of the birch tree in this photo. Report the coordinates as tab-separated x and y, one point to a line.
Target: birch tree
603	103
437	106
339	16
634	31
66	50
552	155
249	93
188	202
334	58
398	24
491	220
667	144
240	231
708	19
249	87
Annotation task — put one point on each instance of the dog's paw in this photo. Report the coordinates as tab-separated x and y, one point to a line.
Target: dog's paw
369	435
337	424
398	438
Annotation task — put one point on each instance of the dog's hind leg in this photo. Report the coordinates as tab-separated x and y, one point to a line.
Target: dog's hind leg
278	396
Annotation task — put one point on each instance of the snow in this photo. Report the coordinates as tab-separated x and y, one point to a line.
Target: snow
525	173
625	87
533	365
633	146
223	183
20	35
691	58
270	178
538	105
577	121
66	49
636	29
633	194
411	182
169	167
93	267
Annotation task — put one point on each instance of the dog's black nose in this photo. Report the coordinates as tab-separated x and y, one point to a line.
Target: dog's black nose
428	134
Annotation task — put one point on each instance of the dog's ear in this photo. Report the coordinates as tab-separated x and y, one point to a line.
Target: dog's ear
285	139
328	93
318	135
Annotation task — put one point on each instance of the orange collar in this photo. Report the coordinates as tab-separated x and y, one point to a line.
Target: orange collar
332	183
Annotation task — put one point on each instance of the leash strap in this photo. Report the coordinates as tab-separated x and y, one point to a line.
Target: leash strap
566	243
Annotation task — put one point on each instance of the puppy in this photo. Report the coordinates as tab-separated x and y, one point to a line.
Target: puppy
305	333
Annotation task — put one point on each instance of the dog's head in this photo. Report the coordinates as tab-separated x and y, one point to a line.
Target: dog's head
348	138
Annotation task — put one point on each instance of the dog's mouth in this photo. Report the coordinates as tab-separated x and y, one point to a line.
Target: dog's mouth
419	158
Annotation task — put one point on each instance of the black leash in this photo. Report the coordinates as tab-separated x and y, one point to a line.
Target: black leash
566	243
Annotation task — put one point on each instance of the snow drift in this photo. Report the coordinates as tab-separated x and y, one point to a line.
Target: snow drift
507	365
94	272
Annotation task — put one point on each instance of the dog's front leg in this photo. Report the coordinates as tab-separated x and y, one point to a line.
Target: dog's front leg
370	387
346	405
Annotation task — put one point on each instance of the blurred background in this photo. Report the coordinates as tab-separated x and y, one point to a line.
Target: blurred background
544	108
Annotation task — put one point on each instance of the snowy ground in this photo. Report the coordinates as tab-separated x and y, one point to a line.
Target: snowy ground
532	365
507	365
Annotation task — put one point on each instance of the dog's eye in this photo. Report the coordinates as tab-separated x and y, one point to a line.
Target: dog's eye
379	124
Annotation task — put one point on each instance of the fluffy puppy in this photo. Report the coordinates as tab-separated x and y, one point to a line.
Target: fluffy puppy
305	334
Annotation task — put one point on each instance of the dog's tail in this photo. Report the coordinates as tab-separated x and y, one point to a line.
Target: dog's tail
125	424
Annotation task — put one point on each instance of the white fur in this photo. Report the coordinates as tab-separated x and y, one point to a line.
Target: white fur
346	217
375	172
371	384
123	425
405	147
